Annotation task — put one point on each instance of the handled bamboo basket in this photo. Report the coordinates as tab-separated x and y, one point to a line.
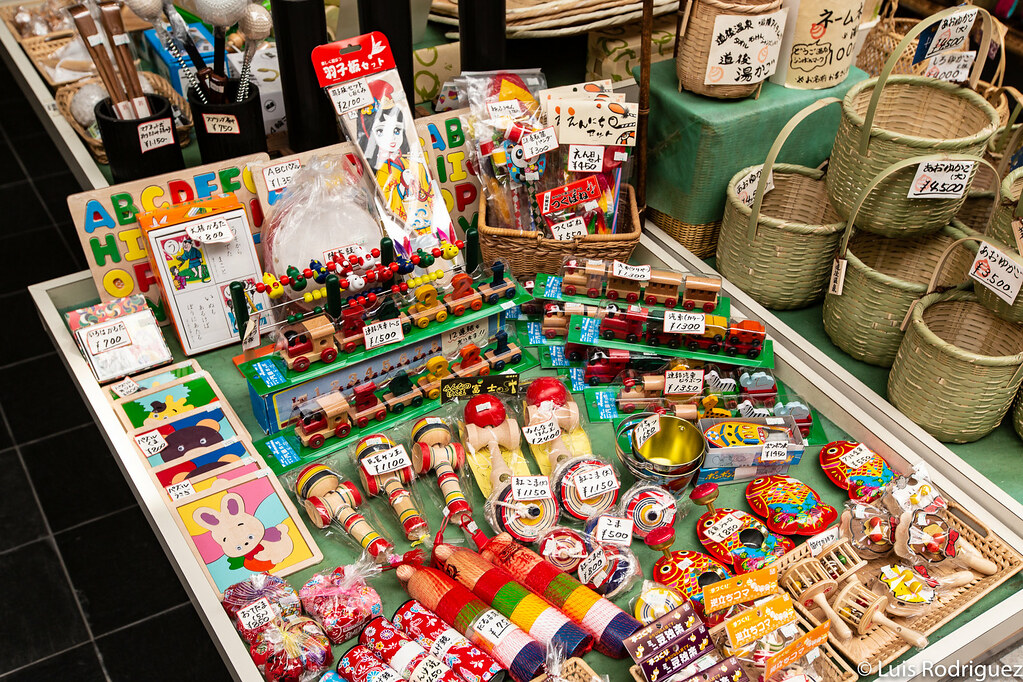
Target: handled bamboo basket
883	277
779	250
959	367
694	33
528	253
881	41
1006	208
1001	237
976	211
1017	415
891	118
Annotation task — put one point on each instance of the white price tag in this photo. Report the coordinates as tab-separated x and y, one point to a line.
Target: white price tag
155	134
775	421
279	175
125	387
526	488
251	339
351	95
818	542
151	443
645	429
107	337
774	451
176	491
221	124
951	32
492	626
445	641
256	615
744	49
593	569
382	333
509	108
953	67
857	457
567	230
386	461
585	158
615	530
544	432
596	482
836	283
539	141
683	382
724	528
210	231
998	272
746	188
428	670
639	273
621	156
941	179
681	322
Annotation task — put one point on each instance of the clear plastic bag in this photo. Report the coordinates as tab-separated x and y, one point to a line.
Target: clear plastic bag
296	650
341	600
258	602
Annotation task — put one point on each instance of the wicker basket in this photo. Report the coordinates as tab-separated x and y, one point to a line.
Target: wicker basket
1017	415
780	250
528	253
888	119
692	44
1001	221
160	86
702	240
881	42
40	49
7	13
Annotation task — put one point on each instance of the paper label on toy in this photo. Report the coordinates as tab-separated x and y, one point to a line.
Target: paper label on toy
95	39
593	569
589	330
256	615
567	230
429	670
221	124
125	387
558	358
476	333
445	641
278	176
544	432
386	461
774	451
552	287
645	429
998	272
527	488
151	443
282	451
818	542
948	35
102	338
383	333
680	655
741	589
585	158
492	626
681	322
251	339
615	530
402	659
538	142
176	491
683	382
599	481
658	635
837	281
746	188
857	457
797	650
453	388
621	156
607	403
351	95
534	332
155	134
577	375
953	67
638	273
597	122
941	179
509	108
212	231
775	421
724	528
744	49
760	620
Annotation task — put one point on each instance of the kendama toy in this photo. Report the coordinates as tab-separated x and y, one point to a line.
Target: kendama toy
789	506
863	610
733	537
649	507
688	572
392	485
929	537
488	427
434	449
808	582
548	398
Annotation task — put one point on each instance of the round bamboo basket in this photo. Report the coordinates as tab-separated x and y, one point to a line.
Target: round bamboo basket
1017	415
889	119
780	249
692	46
881	42
700	239
1001	221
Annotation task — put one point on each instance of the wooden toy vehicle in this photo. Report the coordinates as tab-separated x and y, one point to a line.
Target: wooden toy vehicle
471	362
350	336
621	288
746	337
713	336
437	368
584	276
323	417
663	288
604	365
462	296
656	336
427	308
401	393
503	353
556	317
624	325
368	406
498	287
701	292
308	341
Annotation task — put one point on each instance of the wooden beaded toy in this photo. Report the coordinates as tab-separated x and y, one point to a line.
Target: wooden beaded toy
809	583
863	610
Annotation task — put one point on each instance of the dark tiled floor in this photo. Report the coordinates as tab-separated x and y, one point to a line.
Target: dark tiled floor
89	593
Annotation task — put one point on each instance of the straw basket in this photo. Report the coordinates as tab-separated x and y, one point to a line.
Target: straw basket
528	253
160	86
1001	221
1017	415
881	41
888	119
692	44
959	366
779	251
700	239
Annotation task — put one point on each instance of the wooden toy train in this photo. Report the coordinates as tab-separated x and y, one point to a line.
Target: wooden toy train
617	281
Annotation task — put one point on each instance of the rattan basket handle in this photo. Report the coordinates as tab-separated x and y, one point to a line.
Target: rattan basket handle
779	142
897	166
893	60
1008	141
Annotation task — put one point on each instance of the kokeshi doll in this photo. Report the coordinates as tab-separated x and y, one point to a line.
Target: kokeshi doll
392	484
497	587
338	506
485	627
608	624
449	645
406	657
358	664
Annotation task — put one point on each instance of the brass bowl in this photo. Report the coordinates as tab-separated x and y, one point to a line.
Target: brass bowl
670	458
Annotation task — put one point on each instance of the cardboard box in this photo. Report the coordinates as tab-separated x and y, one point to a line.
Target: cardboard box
613	52
266	75
165	64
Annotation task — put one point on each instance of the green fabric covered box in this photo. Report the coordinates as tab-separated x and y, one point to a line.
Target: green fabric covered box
696	144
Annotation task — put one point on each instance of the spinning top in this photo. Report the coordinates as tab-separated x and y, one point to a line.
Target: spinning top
649	507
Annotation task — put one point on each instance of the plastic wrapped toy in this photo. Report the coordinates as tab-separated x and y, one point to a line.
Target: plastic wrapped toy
856	468
258	602
341	600
295	651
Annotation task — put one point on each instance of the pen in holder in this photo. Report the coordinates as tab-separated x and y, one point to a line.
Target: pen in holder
231	129
140	147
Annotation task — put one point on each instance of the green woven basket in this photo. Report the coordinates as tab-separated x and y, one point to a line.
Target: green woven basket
915	116
1017	415
1001	232
779	251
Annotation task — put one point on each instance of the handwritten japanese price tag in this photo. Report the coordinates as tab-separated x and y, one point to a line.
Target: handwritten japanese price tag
351	95
998	272
941	179
382	333
857	457
176	491
536	143
947	35
681	322
774	451
683	382
615	530
125	387
585	158
645	429
107	337
215	230
567	230
818	542
597	482
155	134
724	528
151	443
593	568
639	273
953	67
386	461
279	175
744	49
492	626
526	488
746	187
509	108
544	432
256	615
221	124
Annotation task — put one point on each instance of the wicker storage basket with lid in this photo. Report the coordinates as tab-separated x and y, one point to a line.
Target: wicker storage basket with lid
889	119
779	250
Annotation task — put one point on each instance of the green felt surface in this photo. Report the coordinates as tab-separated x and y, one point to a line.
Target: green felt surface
697	143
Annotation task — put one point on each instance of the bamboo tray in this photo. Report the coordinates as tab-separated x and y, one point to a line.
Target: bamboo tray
880	647
41	48
131	21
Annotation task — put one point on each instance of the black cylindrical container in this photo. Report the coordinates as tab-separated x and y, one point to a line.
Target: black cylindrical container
227	130
299	26
481	35
140	147
393	18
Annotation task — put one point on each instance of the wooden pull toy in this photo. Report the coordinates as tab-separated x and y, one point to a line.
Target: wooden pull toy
809	583
734	537
391	484
863	610
928	537
688	572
